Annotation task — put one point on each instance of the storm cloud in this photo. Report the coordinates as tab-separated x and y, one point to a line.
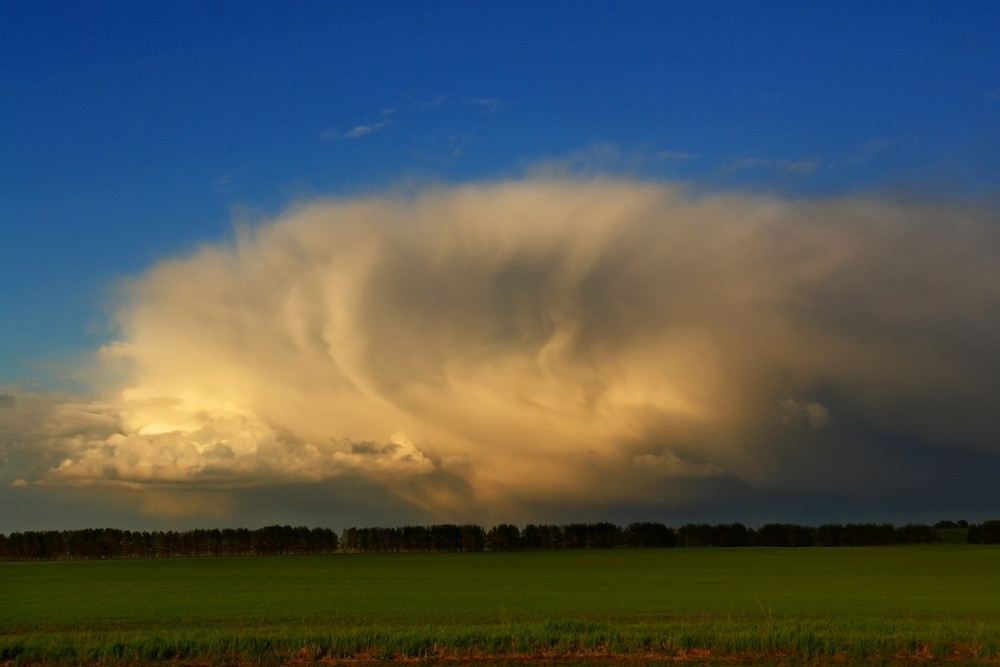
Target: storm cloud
495	350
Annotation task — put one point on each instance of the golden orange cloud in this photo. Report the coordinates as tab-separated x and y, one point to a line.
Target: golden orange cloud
503	344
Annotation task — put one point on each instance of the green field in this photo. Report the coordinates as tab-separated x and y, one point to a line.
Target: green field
751	604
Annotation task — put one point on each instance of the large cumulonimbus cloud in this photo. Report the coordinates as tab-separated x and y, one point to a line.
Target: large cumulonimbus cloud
492	347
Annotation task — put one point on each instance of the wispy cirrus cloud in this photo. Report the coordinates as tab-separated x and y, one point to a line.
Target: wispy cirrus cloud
334	134
407	113
786	166
229	182
678	156
488	104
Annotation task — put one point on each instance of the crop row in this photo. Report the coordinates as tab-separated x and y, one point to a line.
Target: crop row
865	639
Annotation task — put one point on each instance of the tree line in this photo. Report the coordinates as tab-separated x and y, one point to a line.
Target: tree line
987	532
98	543
103	543
506	537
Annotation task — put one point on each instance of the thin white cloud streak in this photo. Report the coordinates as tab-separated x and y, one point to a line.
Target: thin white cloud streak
786	166
333	134
481	350
678	156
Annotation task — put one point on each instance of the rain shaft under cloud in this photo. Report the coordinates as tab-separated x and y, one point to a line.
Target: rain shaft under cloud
488	350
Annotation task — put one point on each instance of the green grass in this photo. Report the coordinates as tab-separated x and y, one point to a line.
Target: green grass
868	604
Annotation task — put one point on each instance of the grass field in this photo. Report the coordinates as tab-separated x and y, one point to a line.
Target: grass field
750	604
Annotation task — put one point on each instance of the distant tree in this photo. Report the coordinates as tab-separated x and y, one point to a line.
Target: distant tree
828	535
446	537
542	537
648	534
574	536
987	532
473	538
719	535
416	538
603	535
349	539
784	535
531	537
855	535
504	537
695	535
733	535
917	534
324	540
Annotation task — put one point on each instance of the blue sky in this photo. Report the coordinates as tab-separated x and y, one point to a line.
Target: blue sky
133	131
132	134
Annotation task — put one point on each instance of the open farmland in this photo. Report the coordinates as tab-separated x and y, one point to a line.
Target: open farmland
771	605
